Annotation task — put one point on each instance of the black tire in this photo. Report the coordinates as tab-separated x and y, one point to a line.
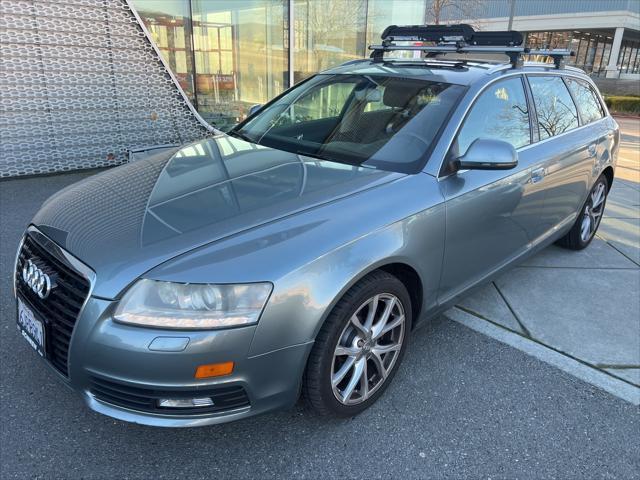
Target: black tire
317	386
575	240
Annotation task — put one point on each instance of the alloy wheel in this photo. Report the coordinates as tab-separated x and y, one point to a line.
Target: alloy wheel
367	349
593	211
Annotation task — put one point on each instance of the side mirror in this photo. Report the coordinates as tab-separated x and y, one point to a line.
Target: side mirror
488	154
254	109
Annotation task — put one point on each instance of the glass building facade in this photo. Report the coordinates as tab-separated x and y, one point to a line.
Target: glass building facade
231	54
592	49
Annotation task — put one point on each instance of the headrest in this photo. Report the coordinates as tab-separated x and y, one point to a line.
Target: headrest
399	94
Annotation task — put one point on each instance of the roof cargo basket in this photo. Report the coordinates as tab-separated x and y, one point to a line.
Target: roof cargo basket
459	38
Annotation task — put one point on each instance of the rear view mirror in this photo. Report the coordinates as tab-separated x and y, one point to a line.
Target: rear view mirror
369	95
488	154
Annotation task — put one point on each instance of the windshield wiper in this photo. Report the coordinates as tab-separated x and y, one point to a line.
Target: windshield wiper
241	136
319	156
322	156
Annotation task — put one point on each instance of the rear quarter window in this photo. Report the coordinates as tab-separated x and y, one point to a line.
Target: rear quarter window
586	100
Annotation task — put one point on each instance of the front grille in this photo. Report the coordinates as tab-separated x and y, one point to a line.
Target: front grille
60	310
146	399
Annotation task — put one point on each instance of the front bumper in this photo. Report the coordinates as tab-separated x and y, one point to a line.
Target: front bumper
106	350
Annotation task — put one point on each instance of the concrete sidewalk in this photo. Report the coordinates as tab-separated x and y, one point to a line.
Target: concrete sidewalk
583	305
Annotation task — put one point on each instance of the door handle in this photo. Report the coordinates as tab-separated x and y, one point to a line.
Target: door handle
592	149
537	175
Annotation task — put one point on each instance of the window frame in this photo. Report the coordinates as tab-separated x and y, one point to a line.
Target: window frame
444	168
581	121
533	112
597	96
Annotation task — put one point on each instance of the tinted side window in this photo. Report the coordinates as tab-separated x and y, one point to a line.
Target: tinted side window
500	112
556	111
588	103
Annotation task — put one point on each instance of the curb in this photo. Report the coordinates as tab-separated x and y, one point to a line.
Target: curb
598	378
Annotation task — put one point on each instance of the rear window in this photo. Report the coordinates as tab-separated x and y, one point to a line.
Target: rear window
555	108
586	99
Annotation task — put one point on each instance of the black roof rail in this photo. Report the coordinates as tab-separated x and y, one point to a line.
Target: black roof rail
459	38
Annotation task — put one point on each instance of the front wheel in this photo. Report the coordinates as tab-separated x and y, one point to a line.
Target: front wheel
359	348
589	217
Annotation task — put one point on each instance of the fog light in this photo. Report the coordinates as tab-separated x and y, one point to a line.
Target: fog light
185	402
214	370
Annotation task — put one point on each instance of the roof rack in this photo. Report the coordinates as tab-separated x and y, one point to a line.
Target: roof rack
460	38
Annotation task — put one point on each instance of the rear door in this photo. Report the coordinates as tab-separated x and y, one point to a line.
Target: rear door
592	115
567	150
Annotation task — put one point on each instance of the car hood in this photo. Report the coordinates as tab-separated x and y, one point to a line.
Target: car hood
127	220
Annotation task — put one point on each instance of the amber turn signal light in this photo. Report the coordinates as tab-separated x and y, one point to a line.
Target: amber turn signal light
214	370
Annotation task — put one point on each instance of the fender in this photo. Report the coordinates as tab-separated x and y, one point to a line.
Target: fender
301	301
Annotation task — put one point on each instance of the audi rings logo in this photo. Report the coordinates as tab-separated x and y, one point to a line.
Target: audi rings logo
37	280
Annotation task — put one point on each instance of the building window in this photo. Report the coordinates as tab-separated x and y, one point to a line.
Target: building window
592	49
327	33
229	55
382	13
170	26
240	56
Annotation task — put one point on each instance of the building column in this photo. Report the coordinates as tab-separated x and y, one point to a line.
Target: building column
612	68
292	43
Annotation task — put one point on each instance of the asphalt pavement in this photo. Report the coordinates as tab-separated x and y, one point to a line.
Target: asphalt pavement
462	405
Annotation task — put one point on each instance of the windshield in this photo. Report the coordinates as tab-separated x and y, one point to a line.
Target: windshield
373	120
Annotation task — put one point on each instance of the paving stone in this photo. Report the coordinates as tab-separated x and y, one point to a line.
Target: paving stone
626	183
624	171
623	202
598	255
488	303
593	315
623	234
617	210
629	158
623	194
625	191
630	374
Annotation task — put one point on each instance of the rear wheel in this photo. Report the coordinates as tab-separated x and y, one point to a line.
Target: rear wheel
589	217
359	347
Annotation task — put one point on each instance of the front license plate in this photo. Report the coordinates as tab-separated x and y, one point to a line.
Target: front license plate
30	327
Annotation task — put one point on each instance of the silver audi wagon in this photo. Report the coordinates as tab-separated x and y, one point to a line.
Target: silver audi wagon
296	253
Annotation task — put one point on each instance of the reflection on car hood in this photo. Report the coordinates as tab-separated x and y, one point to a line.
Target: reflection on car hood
126	221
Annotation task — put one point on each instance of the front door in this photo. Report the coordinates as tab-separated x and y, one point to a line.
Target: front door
491	215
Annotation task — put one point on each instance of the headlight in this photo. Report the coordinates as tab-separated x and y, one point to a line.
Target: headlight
192	305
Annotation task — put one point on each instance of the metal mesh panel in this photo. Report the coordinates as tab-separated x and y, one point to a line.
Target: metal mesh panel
80	85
